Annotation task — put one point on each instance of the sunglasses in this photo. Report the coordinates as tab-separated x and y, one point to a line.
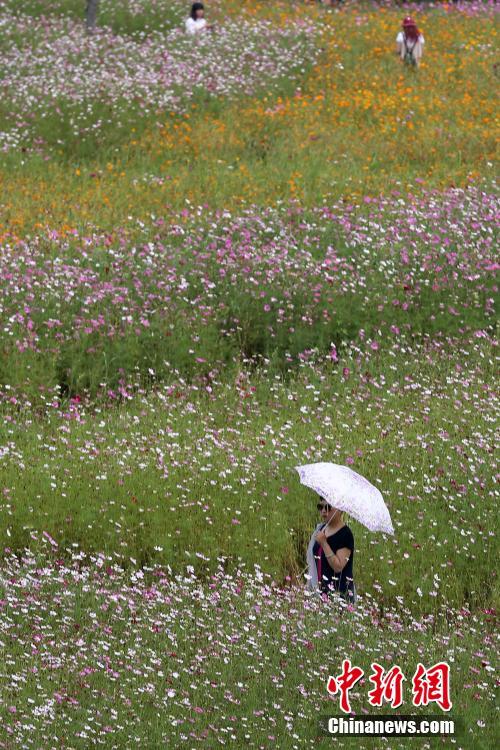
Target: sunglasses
322	506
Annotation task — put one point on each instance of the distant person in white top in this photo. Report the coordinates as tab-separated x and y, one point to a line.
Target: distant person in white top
197	21
410	43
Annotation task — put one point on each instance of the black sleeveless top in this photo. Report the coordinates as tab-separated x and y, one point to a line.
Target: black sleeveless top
328	579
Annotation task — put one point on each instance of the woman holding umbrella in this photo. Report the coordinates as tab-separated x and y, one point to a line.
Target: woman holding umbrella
333	552
330	553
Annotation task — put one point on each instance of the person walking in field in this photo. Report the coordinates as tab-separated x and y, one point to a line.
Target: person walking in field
197	22
410	43
330	554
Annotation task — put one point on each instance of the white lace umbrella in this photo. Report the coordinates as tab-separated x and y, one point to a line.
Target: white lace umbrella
346	490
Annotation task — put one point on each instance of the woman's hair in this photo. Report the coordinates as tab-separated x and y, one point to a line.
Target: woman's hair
410	29
195	7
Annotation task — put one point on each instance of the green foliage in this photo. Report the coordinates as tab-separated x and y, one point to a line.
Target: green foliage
122	16
145	507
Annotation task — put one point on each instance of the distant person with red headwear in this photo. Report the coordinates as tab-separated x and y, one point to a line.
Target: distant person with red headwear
410	43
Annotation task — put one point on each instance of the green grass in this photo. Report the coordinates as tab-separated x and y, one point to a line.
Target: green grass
187	482
118	480
119	15
361	125
388	296
173	663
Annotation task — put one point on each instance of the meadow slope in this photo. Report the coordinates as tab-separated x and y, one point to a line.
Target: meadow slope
221	258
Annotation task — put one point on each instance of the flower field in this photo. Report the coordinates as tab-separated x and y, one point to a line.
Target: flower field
90	314
360	126
221	258
92	83
102	658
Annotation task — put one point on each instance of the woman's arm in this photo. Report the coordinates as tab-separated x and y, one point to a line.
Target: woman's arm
337	561
399	43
